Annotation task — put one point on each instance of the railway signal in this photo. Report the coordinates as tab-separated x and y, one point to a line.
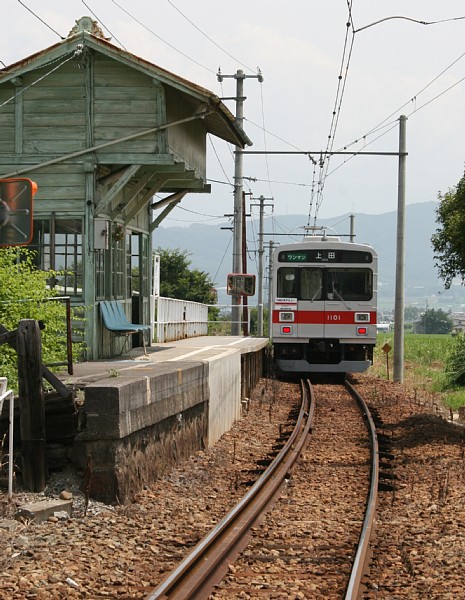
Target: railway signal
240	284
16	211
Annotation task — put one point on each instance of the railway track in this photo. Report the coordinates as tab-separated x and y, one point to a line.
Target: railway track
315	541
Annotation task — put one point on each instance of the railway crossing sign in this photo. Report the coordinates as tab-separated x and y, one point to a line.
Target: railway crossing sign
16	196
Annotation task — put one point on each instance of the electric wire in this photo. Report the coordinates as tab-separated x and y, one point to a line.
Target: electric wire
290	144
390	125
342	81
222	258
381	124
219	160
393	124
162	39
194	212
41	20
409	19
264	139
22	90
209	38
103	25
277	181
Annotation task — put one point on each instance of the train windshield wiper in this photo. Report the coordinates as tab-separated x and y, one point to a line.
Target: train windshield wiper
317	293
339	297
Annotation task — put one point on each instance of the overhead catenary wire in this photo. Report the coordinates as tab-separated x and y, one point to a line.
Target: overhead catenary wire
342	80
382	124
387	127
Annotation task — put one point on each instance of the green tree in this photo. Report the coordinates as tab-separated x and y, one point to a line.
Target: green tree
449	240
23	295
411	313
435	321
177	280
455	362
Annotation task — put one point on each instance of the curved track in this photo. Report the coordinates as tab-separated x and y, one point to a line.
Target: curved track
210	560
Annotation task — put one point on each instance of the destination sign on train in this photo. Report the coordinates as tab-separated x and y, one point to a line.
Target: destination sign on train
325	256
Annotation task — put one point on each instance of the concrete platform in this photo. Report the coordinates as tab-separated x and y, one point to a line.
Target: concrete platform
192	349
144	414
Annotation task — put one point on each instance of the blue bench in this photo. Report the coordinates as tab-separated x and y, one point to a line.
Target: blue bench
115	320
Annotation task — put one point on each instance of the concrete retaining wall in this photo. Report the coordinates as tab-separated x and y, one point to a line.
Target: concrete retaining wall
224	385
140	424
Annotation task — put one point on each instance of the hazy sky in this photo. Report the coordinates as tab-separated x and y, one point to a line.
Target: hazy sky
394	67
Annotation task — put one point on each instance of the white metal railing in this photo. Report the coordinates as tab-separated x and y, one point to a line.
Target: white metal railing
5	393
178	319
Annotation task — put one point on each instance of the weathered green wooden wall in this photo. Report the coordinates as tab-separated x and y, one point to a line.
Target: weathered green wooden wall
100	97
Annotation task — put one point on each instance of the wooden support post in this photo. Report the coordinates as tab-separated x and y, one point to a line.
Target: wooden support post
31	405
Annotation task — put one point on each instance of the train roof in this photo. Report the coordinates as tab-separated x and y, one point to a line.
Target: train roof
325	241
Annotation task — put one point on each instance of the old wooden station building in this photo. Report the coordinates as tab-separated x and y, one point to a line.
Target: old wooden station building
102	131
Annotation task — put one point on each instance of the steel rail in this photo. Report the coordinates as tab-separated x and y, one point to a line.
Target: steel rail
362	557
208	562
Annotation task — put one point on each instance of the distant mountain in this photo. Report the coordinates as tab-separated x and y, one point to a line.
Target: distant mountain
210	249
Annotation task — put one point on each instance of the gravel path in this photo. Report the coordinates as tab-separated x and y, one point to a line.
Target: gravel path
124	551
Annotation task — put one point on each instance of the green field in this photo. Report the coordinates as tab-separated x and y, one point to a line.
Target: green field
424	369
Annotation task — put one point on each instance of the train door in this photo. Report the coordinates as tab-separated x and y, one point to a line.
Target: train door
311	304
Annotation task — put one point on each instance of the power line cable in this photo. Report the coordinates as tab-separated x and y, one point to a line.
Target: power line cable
40	78
218	159
209	38
409	19
380	125
257	179
41	20
342	80
264	139
162	39
392	124
102	23
222	258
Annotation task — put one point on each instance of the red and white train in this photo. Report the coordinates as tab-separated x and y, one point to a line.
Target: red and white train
324	302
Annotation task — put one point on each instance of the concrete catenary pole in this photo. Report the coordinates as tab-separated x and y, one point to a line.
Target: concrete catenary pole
270	295
261	253
400	257
236	310
260	269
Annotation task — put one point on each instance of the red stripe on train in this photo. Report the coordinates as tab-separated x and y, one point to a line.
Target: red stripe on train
328	317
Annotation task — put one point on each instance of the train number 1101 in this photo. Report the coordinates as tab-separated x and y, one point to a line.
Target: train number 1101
333	317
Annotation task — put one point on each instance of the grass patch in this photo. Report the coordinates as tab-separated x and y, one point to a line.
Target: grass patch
424	365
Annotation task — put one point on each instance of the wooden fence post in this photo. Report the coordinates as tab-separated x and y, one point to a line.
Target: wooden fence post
31	405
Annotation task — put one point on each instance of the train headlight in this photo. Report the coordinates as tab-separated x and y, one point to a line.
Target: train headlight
362	317
286	329
286	316
362	330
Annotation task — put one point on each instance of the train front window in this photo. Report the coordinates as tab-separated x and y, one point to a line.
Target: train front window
287	282
349	284
311	284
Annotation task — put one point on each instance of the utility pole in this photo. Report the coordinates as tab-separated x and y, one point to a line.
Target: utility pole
270	297
239	76
261	252
352	228
400	257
